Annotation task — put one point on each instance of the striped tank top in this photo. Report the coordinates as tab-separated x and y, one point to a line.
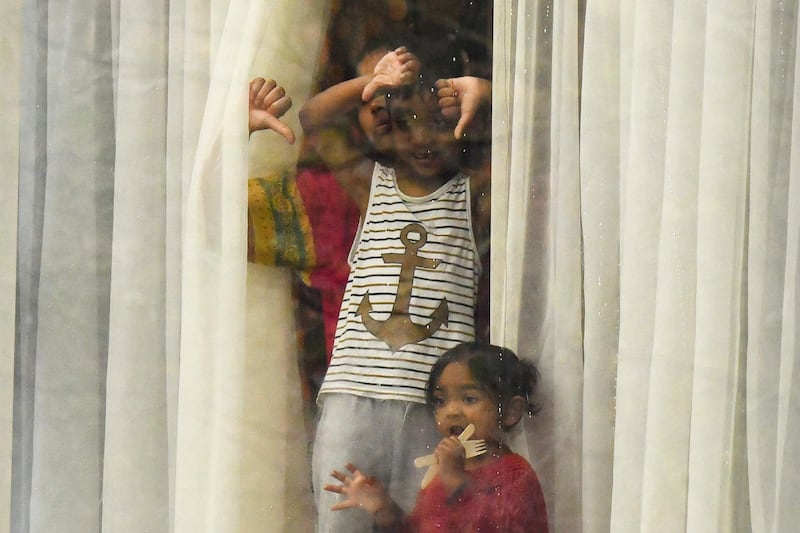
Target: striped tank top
411	292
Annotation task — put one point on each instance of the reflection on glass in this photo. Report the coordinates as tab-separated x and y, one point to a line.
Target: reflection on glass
387	222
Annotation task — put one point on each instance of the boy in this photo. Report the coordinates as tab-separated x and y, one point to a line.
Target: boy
412	288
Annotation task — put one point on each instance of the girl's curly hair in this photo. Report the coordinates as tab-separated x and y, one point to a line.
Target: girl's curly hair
498	370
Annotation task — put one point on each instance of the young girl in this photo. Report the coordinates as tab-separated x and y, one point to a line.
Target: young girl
489	387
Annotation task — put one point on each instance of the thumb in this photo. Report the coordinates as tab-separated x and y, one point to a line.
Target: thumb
281	128
463	122
369	91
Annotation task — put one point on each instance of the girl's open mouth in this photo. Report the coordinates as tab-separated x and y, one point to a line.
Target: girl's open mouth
455	430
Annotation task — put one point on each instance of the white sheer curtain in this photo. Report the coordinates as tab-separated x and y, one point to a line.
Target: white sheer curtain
10	59
646	236
669	347
149	393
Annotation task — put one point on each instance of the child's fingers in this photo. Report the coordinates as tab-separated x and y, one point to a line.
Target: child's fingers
470	92
450	106
341	476
408	61
269	93
262	89
369	91
357	474
411	71
449	447
463	122
453	107
280	106
407	58
445	89
282	129
443	83
448	100
347	504
279	127
255	86
333	488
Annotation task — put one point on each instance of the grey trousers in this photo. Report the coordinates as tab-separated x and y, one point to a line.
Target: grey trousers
382	438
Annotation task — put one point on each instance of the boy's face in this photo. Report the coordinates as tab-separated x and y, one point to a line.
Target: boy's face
373	116
423	139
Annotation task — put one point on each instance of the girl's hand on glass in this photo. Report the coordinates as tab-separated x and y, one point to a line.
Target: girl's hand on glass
363	492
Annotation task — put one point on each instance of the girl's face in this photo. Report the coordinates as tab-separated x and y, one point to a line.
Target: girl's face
459	400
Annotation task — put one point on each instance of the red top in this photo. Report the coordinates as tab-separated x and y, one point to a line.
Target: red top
501	496
333	216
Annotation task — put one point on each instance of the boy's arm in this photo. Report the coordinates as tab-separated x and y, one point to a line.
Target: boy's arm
394	69
325	108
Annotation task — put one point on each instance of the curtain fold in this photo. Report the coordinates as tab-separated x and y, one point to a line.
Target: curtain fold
29	222
720	326
67	331
536	269
136	460
131	412
773	409
11	65
221	483
600	143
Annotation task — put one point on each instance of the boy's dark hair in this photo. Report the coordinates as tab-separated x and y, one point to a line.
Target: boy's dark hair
439	59
498	370
388	41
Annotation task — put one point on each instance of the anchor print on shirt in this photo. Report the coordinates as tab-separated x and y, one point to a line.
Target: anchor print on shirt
398	330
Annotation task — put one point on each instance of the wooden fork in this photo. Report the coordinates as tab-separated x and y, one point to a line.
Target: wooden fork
472	448
476	447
